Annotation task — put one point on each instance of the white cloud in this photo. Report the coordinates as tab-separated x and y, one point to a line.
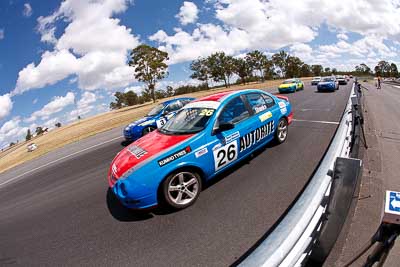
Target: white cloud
5	105
84	106
342	36
136	89
188	13
27	12
266	25
93	47
1	34
303	51
56	105
11	131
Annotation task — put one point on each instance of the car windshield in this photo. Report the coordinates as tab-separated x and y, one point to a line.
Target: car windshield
188	120
156	110
289	81
327	79
317	78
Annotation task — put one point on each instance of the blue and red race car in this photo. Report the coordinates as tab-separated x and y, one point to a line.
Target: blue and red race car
156	118
204	138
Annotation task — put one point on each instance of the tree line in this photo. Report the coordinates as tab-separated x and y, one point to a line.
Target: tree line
150	66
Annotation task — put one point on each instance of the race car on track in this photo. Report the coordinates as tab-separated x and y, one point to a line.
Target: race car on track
315	80
341	79
328	83
204	138
156	118
291	86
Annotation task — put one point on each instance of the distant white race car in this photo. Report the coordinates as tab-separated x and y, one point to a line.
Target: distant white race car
31	147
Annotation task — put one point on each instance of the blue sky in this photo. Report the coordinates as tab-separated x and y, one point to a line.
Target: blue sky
61	59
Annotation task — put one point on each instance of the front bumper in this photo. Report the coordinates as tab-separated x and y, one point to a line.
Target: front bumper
314	82
134	195
287	89
326	88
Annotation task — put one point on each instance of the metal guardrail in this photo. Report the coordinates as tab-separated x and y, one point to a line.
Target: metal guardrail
289	243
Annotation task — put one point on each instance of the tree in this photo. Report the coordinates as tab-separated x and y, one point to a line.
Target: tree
130	98
12	144
363	69
293	66
393	70
383	69
305	70
149	66
79	117
242	69
39	130
327	71
334	71
201	70
317	70
28	135
58	124
257	61
221	67
280	60
171	91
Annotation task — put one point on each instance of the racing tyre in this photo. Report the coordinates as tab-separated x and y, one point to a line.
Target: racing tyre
181	189
148	129
281	131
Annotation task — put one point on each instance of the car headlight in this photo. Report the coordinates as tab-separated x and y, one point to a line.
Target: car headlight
127	128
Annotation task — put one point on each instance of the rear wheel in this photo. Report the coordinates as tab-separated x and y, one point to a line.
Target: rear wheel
148	129
181	189
281	131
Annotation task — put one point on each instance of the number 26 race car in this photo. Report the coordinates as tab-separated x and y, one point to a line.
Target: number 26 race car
204	138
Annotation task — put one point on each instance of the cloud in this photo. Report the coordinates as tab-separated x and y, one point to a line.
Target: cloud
84	106
98	59
56	105
256	24
5	105
342	36
188	13
303	51
1	34
27	12
136	89
11	131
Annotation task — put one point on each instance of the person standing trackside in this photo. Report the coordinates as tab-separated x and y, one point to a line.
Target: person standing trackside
379	83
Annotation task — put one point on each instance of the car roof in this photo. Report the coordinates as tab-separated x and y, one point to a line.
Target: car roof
216	97
176	99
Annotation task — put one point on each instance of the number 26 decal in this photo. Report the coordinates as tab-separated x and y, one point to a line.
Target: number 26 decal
225	155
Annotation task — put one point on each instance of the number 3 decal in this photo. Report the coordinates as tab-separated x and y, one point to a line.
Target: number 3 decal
225	155
160	122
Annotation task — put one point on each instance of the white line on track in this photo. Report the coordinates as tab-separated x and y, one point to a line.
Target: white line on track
54	161
325	122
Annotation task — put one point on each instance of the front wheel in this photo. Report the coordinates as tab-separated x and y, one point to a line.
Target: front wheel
181	189
281	131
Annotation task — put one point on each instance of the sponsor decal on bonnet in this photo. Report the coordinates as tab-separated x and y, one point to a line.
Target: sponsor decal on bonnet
138	152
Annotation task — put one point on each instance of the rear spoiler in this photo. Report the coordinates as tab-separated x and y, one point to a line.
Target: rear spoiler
282	97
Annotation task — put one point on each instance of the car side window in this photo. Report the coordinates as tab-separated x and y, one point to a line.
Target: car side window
234	111
269	100
174	106
257	102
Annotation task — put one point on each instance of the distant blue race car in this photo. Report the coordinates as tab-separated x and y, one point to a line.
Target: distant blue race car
156	118
204	138
328	83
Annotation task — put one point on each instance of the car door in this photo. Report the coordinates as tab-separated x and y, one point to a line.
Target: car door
264	112
225	145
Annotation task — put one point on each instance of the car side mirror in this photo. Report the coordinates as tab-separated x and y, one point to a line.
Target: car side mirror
165	112
224	127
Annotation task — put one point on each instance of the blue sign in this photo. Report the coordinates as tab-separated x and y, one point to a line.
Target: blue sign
394	204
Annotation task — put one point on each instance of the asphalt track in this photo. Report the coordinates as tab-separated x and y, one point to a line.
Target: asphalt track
62	213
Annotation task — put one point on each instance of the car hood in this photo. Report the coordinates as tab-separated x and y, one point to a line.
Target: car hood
325	83
286	85
143	149
145	119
